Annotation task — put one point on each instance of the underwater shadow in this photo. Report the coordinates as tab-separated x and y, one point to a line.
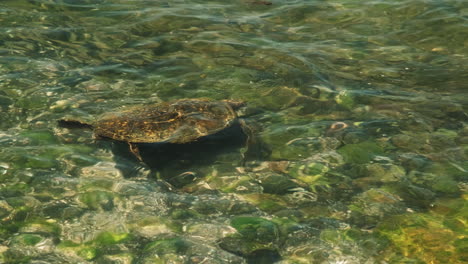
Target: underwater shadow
179	164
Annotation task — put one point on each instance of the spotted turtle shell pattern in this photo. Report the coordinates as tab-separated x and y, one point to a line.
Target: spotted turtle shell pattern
178	121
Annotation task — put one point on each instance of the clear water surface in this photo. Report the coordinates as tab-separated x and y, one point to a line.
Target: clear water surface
359	110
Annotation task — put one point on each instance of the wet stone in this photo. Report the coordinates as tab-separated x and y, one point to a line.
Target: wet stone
26	246
122	258
221	206
445	184
182	179
5	102
414	196
310	174
375	204
289	213
277	184
412	235
101	169
151	226
298	147
167	247
48	228
265	202
279	97
362	152
236	245
354	137
416	125
385	172
209	232
98	200
26	239
244	184
256	229
412	161
5	209
257	238
309	105
346	99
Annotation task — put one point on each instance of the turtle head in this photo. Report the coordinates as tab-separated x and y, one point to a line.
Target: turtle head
236	105
242	109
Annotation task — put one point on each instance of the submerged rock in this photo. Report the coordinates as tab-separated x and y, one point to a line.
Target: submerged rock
373	205
254	235
409	234
277	184
385	172
361	152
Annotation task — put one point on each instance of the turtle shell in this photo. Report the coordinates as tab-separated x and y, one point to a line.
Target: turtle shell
179	121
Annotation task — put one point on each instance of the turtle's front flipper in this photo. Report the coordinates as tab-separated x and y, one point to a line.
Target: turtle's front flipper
135	150
254	148
66	123
249	141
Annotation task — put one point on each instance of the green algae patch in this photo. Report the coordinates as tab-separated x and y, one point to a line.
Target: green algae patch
13	191
88	253
47	156
36	101
361	152
237	184
67	244
97	184
167	246
266	202
181	214
39	137
291	142
445	184
255	234
454	213
345	99
385	172
368	243
26	239
313	174
277	184
256	229
98	200
41	226
278	97
373	205
40	162
95	248
445	176
110	238
453	169
421	238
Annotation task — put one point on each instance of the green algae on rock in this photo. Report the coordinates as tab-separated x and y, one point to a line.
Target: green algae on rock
410	237
255	234
361	152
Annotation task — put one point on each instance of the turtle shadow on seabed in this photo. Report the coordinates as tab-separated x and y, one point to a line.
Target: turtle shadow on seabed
180	164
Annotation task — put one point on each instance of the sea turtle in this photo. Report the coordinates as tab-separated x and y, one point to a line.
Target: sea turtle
180	121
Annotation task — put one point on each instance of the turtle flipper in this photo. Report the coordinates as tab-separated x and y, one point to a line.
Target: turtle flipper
249	141
66	123
254	148
135	150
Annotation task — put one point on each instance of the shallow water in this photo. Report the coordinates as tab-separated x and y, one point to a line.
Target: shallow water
360	108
